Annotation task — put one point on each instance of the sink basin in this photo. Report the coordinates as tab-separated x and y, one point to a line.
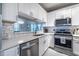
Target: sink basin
38	34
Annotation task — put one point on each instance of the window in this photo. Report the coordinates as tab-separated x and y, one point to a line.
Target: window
27	25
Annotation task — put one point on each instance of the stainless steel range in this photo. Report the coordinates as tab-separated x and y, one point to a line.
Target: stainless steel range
63	34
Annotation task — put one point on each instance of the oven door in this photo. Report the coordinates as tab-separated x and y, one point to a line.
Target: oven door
63	42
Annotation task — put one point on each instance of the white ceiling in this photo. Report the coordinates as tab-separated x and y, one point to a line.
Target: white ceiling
53	6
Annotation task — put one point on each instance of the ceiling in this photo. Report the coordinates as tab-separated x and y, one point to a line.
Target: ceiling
53	6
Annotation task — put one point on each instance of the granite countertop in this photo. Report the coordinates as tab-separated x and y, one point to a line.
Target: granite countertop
6	44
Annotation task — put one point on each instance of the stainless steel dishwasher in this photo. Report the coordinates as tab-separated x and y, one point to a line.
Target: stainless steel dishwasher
30	48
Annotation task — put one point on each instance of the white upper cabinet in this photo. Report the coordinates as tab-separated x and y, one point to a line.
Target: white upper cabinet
38	12
34	10
68	12
42	14
51	19
24	8
63	13
75	15
9	12
59	14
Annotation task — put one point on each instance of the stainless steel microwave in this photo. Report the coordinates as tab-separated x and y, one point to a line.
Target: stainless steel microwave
65	21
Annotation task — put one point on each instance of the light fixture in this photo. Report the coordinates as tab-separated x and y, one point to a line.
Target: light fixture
20	22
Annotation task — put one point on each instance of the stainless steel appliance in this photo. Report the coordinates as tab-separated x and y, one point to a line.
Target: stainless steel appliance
30	48
63	41
65	21
63	34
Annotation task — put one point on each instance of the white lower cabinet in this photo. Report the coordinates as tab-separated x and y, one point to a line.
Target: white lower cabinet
51	42
11	52
41	45
76	47
47	41
44	43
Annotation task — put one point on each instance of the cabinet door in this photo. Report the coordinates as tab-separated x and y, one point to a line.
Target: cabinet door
34	10
40	13
67	12
51	19
9	12
46	41
51	44
41	46
44	16
12	51
60	14
63	13
76	47
75	15
25	8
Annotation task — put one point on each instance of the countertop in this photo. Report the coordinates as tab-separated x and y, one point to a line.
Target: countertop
6	44
48	33
75	35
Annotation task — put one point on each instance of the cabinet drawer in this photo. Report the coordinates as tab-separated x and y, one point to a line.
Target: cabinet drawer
76	47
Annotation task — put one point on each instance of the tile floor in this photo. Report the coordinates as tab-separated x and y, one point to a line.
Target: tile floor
51	52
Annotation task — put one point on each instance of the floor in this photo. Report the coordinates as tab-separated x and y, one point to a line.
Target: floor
51	52
64	51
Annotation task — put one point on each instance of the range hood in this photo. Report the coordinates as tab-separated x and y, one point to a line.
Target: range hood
25	16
